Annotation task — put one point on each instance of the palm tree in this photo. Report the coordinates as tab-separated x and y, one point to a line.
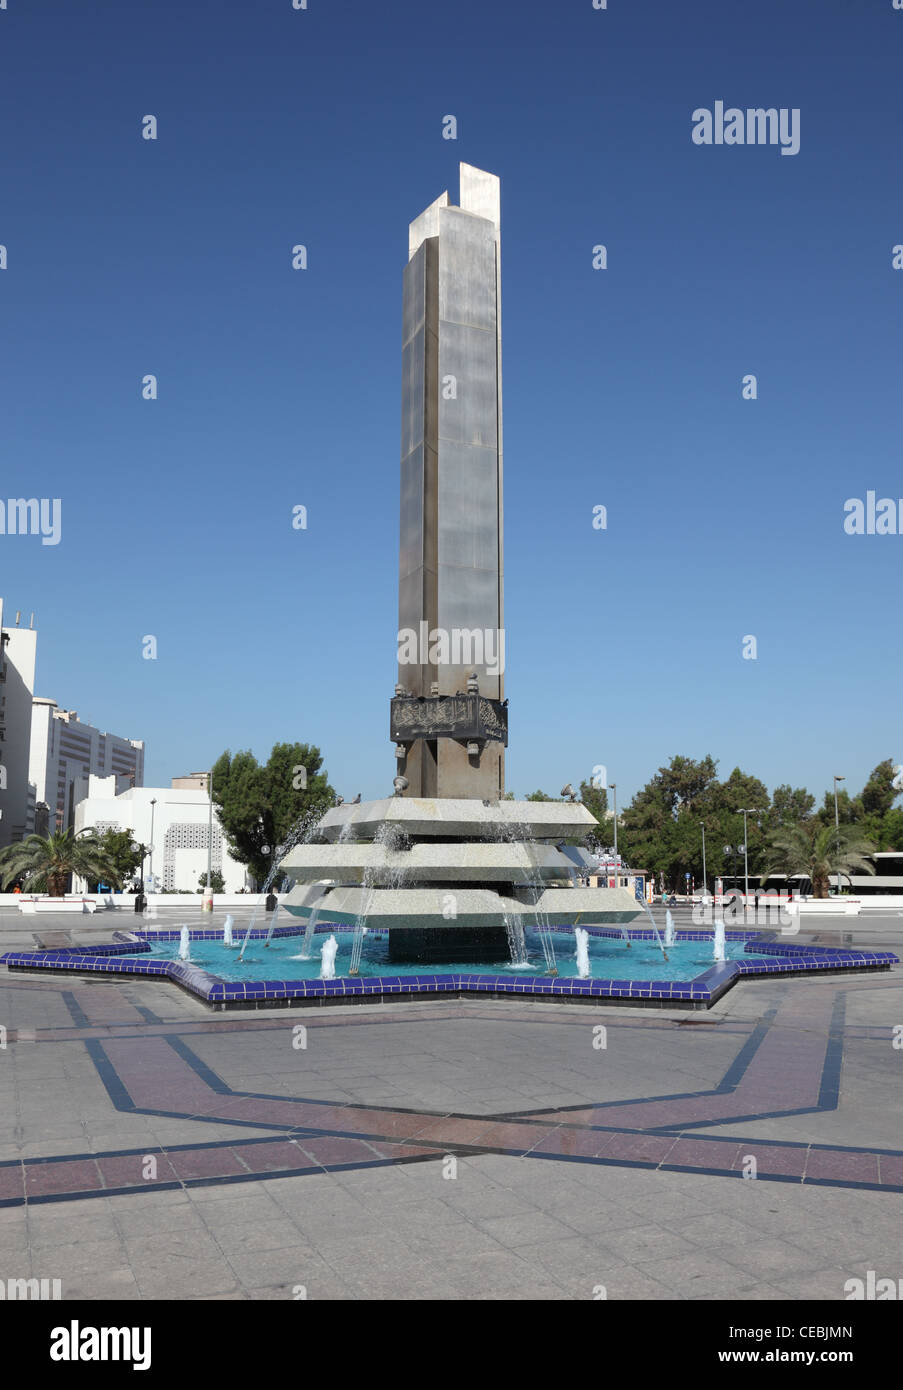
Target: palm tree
819	851
46	864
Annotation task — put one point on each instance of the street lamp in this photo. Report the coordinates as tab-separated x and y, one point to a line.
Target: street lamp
704	889
837	824
208	895
150	872
747	811
614	792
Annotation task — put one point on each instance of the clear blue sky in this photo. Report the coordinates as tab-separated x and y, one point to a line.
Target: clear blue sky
623	387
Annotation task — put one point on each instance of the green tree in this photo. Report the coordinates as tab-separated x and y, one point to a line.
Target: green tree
217	882
819	851
595	799
540	796
687	783
790	805
879	793
661	829
45	864
124	854
891	836
738	791
849	809
259	805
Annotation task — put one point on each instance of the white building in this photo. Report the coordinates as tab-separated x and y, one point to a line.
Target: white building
17	795
173	822
65	751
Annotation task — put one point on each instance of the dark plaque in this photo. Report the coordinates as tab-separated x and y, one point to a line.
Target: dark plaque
462	717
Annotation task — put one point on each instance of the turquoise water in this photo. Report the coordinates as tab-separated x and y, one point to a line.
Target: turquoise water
609	957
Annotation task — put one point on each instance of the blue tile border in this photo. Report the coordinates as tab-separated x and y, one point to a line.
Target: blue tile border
701	991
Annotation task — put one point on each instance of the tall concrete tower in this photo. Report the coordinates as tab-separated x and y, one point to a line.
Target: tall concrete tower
449	717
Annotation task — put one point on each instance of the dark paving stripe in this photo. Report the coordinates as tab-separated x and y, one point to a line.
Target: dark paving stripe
75	1179
79	1017
190	1166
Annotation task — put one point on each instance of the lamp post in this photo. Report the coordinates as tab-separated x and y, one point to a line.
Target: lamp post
207	905
150	873
837	825
614	794
704	889
747	811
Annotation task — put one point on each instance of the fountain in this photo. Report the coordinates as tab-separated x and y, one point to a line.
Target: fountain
387	871
718	952
669	928
517	945
247	937
327	959
302	830
476	870
184	948
269	935
314	905
582	939
227	930
655	931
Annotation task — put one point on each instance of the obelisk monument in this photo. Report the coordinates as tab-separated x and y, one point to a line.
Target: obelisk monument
449	722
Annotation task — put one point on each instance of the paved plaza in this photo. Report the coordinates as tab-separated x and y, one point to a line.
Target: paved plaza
458	1149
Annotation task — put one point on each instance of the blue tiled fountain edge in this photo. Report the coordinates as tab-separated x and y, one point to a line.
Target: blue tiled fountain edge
701	991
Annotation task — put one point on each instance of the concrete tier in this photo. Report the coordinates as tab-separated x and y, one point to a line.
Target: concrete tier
426	817
472	907
468	862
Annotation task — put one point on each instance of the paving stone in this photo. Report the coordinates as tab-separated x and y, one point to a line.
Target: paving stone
766	1259
698	1275
637	1244
261	1235
176	1278
506	1227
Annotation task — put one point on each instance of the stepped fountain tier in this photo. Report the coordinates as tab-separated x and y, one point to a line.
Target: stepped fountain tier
450	877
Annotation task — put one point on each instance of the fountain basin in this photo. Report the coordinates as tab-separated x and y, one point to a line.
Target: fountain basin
754	955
